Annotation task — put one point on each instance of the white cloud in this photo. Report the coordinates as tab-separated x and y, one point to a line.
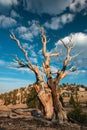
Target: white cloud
79	72
54	69
33	60
27	46
21	30
78	5
14	14
80	40
13	66
33	27
6	5
27	36
40	52
6	22
24	33
30	48
33	53
28	33
46	6
59	22
77	38
8	2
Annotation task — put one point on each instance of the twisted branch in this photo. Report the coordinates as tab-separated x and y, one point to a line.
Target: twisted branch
29	65
13	37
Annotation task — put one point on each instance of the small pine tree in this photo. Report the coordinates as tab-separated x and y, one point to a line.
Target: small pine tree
72	101
77	110
7	100
32	100
61	100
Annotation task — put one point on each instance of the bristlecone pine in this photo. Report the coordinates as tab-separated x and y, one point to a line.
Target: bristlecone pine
47	91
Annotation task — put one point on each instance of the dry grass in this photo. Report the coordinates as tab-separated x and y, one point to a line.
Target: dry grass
9	107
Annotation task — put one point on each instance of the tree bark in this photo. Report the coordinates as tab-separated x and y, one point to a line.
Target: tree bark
51	103
45	97
47	92
60	113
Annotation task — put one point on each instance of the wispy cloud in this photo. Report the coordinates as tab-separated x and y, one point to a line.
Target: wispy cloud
28	33
7	5
12	83
54	68
77	38
11	79
46	6
14	14
78	5
59	22
30	49
80	72
6	22
34	60
14	66
8	2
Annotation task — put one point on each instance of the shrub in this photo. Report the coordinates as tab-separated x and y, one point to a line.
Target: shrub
61	100
76	113
78	116
72	101
32	100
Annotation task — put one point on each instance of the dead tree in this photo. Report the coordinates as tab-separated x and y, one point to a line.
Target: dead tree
47	91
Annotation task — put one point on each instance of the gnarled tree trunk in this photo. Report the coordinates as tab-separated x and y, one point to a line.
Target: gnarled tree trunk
60	113
52	105
45	97
47	91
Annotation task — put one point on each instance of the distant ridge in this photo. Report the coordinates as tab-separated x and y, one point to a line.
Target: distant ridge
19	96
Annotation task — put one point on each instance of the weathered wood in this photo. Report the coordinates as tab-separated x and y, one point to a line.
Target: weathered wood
47	91
45	96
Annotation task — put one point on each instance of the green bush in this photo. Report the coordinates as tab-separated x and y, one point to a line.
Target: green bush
78	116
71	101
32	100
77	113
61	100
83	118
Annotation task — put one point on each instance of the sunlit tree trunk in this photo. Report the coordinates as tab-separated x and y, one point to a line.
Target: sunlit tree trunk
47	92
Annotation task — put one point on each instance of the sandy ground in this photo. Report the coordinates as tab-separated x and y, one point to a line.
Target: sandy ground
6	123
9	107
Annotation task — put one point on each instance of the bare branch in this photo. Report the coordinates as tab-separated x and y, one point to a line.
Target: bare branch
63	72
29	65
65	45
72	69
17	60
72	57
68	57
58	72
46	64
13	37
55	54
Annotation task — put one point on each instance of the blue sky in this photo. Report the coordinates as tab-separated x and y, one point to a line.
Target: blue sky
59	17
